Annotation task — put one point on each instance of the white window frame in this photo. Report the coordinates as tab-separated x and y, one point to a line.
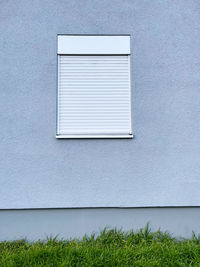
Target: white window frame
66	47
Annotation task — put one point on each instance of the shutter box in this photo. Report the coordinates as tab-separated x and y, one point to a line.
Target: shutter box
94	90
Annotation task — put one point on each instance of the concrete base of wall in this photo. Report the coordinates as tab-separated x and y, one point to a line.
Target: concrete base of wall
69	223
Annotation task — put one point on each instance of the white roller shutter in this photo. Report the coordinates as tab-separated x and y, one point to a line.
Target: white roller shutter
94	96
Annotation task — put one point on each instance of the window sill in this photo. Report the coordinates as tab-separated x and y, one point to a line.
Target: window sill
85	136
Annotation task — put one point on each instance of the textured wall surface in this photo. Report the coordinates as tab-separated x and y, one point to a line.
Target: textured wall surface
160	167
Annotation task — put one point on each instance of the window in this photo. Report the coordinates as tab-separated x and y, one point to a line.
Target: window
94	98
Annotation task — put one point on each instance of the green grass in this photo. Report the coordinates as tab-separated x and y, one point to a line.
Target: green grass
109	248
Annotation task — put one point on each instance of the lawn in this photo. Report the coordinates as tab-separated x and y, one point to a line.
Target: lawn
109	248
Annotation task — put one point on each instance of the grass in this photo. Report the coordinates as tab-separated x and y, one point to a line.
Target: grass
109	248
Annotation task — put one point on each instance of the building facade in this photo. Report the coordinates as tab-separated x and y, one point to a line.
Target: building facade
76	186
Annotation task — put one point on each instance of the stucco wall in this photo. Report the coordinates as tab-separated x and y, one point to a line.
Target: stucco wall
160	167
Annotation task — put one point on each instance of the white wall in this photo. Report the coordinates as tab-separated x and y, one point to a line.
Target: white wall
160	167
